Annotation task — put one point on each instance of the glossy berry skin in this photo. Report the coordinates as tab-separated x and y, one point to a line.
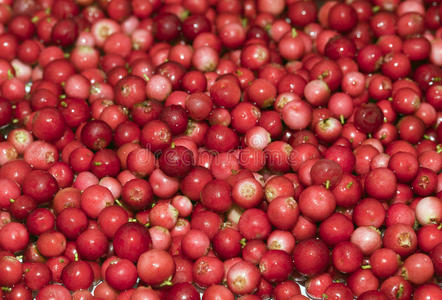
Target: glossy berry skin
176	161
121	274
11	269
368	118
175	117
221	139
311	257
317	203
276	265
40	185
220	149
342	17
48	124
216	195
96	135
77	275
155	266
338	291
131	240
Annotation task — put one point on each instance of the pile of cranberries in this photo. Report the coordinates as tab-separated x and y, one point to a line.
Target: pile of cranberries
220	149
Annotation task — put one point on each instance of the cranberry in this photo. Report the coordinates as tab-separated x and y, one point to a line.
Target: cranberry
40	185
19	291
91	244
270	260
137	193
347	257
302	13
243	278
12	270
140	162
65	32
105	163
167	26
254	224
311	257
367	238
254	56
428	237
404	165
411	129
424	182
5	112
146	111
400	213
428	211
77	275
129	91
362	281
251	143
193	183
244	117
316	285
383	177
131	240
121	274
335	229
368	118
291	46
400	238
155	135
183	290
226	243
218	291
348	191
163	214
216	195
342	17
281	240
278	156
369	212
326	172
426	291
22	206
221	139
397	287
396	65
175	117
207	271
36	275
48	124
283	212
316	202
176	161
418	268
96	134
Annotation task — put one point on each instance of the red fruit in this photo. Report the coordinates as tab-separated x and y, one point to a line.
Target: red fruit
155	266
418	268
221	139
243	278
48	124
317	203
130	90
216	195
380	183
131	240
77	275
176	161
311	257
401	238
254	224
